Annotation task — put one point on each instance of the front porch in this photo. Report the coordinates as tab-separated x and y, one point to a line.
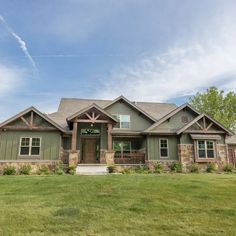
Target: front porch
94	141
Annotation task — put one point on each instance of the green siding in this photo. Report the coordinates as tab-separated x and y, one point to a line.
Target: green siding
154	150
175	122
138	121
9	144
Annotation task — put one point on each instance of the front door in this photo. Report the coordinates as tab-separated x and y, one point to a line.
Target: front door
89	151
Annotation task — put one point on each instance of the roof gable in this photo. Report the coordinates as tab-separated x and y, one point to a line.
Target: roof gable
132	105
171	114
99	112
30	118
204	126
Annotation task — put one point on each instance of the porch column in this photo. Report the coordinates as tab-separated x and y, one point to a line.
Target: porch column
109	138
74	137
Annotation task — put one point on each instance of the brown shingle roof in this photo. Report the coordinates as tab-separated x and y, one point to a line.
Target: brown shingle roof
69	106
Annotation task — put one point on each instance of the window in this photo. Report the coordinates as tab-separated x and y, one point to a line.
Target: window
124	121
206	149
122	146
90	132
163	148
30	146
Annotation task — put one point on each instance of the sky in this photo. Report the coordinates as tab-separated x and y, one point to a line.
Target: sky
146	50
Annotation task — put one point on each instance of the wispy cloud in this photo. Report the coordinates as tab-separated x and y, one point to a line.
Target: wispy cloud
181	71
20	41
10	79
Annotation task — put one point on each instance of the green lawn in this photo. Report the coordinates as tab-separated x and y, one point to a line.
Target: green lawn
178	204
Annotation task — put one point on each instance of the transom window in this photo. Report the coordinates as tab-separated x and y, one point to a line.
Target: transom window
122	146
206	149
163	148
30	146
90	132
124	121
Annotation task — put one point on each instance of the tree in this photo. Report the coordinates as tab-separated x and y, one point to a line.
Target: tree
218	104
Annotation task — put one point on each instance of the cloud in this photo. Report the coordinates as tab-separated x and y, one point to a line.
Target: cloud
181	71
20	41
10	79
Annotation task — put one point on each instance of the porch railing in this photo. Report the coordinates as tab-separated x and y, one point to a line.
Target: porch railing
133	157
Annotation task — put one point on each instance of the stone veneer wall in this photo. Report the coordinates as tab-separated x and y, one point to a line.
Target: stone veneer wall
222	157
35	165
186	155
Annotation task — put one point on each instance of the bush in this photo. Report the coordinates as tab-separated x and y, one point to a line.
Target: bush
59	171
194	168
210	167
111	169
128	171
228	168
9	170
142	170
25	170
176	167
71	170
44	170
158	168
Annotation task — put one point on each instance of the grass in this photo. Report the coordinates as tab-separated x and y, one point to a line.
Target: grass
178	204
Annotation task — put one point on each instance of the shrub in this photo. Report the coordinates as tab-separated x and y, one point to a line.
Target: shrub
25	170
9	170
210	167
71	170
141	170
176	167
158	168
128	171
111	169
59	171
194	168
44	170
228	168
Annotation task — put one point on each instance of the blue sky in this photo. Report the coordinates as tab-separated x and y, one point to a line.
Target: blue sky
148	50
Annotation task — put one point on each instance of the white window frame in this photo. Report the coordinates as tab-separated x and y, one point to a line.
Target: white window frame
166	139
30	147
206	149
118	115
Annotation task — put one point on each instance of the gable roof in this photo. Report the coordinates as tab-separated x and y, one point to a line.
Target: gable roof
132	105
169	115
200	117
24	112
88	108
69	106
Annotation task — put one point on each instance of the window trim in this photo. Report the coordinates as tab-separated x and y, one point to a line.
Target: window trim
206	158
117	115
30	147
167	148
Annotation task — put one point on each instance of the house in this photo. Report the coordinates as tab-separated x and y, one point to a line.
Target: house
115	131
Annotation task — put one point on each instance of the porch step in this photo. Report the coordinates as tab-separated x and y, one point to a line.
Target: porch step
91	169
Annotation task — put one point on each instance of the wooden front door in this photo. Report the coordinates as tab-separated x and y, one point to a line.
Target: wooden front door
89	151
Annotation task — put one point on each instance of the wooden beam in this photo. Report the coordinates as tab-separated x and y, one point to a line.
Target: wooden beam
204	122
25	121
109	140
209	126
74	136
89	121
97	116
31	118
199	126
90	117
204	132
29	128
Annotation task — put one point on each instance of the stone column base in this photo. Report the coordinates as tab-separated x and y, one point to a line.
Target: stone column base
109	157
73	158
